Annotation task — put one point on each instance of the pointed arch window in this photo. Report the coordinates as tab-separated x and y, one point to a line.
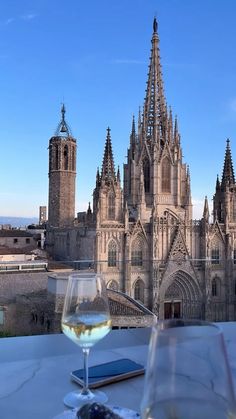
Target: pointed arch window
137	254
139	290
68	244
215	287
112	254
146	174
234	256
66	157
111	206
166	175
215	255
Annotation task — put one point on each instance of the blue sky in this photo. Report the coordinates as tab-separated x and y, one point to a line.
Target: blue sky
94	56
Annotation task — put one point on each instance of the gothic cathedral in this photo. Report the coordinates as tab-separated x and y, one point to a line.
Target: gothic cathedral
142	237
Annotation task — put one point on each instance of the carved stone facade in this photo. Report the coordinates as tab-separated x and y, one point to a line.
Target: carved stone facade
143	238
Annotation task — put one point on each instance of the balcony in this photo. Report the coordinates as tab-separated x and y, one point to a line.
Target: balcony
35	370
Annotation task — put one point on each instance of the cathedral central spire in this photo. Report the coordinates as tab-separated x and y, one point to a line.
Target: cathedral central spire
154	106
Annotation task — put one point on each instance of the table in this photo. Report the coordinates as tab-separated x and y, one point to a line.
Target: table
35	370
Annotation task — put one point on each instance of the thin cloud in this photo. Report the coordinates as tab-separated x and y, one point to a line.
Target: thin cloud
232	105
29	16
9	20
126	61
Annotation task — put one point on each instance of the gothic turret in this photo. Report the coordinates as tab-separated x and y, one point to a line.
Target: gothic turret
108	169
206	213
107	195
228	171
133	139
224	200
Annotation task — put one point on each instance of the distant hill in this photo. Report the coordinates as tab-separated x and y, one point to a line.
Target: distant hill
18	221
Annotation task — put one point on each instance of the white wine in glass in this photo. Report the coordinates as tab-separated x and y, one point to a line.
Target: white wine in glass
85	320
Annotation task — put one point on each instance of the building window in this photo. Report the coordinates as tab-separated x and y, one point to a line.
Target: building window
137	254
215	287
113	285
112	254
146	175
215	256
1	315
166	175
15	240
111	206
139	290
27	241
234	256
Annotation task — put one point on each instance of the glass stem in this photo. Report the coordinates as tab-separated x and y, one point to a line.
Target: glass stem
85	389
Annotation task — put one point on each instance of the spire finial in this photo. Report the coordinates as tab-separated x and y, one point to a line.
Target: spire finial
63	111
155	25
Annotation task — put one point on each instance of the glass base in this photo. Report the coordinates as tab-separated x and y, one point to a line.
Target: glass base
76	399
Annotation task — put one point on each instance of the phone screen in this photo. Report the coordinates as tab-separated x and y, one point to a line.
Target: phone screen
109	372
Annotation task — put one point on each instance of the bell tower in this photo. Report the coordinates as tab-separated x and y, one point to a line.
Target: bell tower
62	173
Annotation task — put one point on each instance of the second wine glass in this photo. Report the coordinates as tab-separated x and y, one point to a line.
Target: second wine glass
85	320
188	375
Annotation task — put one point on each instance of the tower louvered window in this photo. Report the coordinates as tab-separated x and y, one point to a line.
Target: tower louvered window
146	175
166	175
57	166
73	159
112	254
111	206
66	157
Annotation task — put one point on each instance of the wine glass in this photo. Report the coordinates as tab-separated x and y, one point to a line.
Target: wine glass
187	374
85	320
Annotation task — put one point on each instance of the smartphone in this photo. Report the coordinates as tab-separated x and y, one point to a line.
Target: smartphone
110	372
